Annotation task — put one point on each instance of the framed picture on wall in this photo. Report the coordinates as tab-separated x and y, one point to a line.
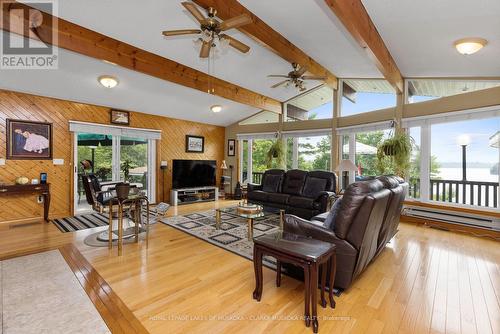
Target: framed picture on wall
195	144
121	117
27	140
231	147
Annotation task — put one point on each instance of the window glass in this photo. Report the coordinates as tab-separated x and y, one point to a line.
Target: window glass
414	179
366	152
361	96
244	161
420	90
314	104
464	162
314	153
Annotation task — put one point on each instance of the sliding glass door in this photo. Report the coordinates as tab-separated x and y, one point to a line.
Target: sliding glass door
113	158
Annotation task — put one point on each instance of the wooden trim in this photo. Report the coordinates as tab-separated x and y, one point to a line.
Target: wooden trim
269	38
453	208
90	43
114	312
475	231
357	21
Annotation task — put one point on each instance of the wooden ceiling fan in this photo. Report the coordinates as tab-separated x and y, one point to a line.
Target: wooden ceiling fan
296	77
211	29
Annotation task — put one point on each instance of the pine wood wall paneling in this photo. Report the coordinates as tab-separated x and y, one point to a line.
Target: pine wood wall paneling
59	112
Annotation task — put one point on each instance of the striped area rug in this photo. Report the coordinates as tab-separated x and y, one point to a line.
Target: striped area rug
81	222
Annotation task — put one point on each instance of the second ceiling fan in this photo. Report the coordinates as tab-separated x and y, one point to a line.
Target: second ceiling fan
211	30
295	77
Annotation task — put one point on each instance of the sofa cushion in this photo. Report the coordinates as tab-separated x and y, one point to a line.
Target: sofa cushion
352	200
313	187
258	195
329	222
278	198
302	202
330	178
271	183
294	182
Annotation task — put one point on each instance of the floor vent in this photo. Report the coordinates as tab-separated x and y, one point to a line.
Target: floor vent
453	217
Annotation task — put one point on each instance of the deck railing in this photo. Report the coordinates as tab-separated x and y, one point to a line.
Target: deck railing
256	177
476	193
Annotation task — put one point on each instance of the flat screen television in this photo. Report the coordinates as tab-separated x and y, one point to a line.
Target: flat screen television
193	173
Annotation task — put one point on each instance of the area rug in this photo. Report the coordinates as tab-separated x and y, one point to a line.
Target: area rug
83	222
40	294
232	235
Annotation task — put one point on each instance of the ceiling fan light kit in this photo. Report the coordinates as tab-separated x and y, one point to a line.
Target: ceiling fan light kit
211	30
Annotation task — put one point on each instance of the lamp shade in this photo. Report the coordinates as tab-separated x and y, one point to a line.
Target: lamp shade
346	165
223	166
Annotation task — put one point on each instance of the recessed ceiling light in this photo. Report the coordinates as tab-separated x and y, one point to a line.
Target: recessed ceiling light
468	46
216	108
108	81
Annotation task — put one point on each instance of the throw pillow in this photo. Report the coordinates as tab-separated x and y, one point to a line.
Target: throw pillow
332	215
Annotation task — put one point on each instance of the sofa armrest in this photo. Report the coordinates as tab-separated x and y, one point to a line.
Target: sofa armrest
326	200
253	187
299	226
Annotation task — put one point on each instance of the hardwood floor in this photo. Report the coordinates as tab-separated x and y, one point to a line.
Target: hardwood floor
425	281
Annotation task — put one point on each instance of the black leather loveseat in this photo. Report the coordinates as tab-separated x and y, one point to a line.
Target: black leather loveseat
301	193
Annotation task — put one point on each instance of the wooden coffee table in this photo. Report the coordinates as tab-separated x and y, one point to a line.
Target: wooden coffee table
310	254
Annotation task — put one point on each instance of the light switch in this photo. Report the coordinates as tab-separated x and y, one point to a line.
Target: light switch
58	161
2	162
163	164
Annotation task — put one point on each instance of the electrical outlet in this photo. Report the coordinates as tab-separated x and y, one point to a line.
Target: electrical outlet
39	199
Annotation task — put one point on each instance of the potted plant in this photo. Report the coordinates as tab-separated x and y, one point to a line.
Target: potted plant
394	154
276	152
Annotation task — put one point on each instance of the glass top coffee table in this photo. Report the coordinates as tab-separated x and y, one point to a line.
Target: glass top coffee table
260	214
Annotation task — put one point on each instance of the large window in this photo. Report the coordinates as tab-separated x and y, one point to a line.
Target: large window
464	163
314	104
420	90
361	96
456	159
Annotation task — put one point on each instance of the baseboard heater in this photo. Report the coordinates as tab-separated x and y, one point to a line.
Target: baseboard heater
453	217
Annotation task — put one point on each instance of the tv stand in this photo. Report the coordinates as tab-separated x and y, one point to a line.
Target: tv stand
193	195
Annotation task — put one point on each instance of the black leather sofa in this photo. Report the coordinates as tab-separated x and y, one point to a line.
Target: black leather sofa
301	193
366	220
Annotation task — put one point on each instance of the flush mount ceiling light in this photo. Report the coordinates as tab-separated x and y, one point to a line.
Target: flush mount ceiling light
108	81
216	108
468	46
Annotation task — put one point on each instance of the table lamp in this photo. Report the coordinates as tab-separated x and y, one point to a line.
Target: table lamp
346	166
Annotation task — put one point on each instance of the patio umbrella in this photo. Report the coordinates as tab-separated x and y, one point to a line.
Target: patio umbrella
362	148
93	139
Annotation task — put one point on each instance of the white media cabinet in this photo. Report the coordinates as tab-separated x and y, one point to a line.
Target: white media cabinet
193	195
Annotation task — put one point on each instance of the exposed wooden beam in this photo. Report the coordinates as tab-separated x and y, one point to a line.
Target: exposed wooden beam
268	37
93	44
355	18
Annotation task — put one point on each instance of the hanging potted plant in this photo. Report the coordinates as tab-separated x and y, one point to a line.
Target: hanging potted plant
276	153
394	154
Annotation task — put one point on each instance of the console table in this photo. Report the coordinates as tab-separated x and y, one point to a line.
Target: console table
29	189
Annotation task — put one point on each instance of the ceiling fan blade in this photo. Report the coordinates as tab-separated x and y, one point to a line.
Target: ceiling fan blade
279	84
312	77
301	71
205	49
181	32
191	7
235	22
236	44
277	76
